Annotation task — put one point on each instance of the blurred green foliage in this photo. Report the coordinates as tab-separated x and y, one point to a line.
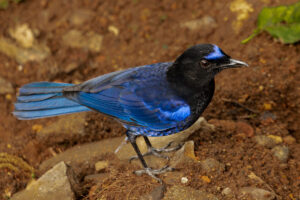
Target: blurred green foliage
281	22
5	3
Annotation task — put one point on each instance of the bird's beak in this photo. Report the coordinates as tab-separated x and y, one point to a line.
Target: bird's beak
234	64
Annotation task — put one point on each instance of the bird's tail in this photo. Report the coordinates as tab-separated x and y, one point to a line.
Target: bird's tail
44	99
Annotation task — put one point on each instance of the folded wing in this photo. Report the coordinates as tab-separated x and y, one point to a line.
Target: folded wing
140	96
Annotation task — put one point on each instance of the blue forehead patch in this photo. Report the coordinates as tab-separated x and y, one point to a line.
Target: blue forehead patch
216	54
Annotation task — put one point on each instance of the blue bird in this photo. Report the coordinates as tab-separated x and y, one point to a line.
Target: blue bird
151	100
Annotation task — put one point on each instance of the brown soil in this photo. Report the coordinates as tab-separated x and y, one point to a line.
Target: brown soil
149	31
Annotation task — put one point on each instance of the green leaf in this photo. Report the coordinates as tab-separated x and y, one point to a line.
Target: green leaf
287	33
281	22
270	16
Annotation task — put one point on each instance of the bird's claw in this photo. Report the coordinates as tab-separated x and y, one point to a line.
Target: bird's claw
157	152
154	172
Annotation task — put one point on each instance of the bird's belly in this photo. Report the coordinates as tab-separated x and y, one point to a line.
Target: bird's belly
145	131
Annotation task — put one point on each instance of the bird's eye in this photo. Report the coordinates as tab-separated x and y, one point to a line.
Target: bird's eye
204	63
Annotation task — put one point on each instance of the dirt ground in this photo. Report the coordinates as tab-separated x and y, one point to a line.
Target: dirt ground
145	32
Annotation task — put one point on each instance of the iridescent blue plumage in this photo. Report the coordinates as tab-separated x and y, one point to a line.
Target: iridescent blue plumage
139	97
216	54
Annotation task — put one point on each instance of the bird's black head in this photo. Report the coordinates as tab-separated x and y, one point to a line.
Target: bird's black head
199	64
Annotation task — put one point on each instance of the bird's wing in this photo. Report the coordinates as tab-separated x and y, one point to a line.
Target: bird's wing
139	96
154	107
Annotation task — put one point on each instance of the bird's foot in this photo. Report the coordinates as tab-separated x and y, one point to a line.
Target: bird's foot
158	152
154	172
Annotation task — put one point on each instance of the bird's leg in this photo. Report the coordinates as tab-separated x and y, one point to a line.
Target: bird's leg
146	170
163	149
157	152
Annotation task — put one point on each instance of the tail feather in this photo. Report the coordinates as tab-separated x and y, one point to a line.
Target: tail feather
36	97
52	103
42	88
44	99
35	114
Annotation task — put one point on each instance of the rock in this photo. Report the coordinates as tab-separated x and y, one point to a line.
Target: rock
226	191
159	142
90	40
79	155
88	153
212	165
226	125
184	155
156	194
5	87
239	128
206	179
100	165
289	139
200	125
276	138
23	35
204	22
253	176
257	193
38	52
184	180
265	141
243	127
114	30
54	184
183	193
81	16
65	128
126	151
281	153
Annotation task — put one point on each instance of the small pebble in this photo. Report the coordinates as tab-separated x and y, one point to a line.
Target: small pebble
205	179
258	193
265	141
8	97
281	153
226	191
114	30
245	128
20	67
276	138
100	165
184	180
289	139
37	128
212	165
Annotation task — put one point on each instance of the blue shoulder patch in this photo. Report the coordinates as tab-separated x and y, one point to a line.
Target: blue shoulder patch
216	54
181	114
